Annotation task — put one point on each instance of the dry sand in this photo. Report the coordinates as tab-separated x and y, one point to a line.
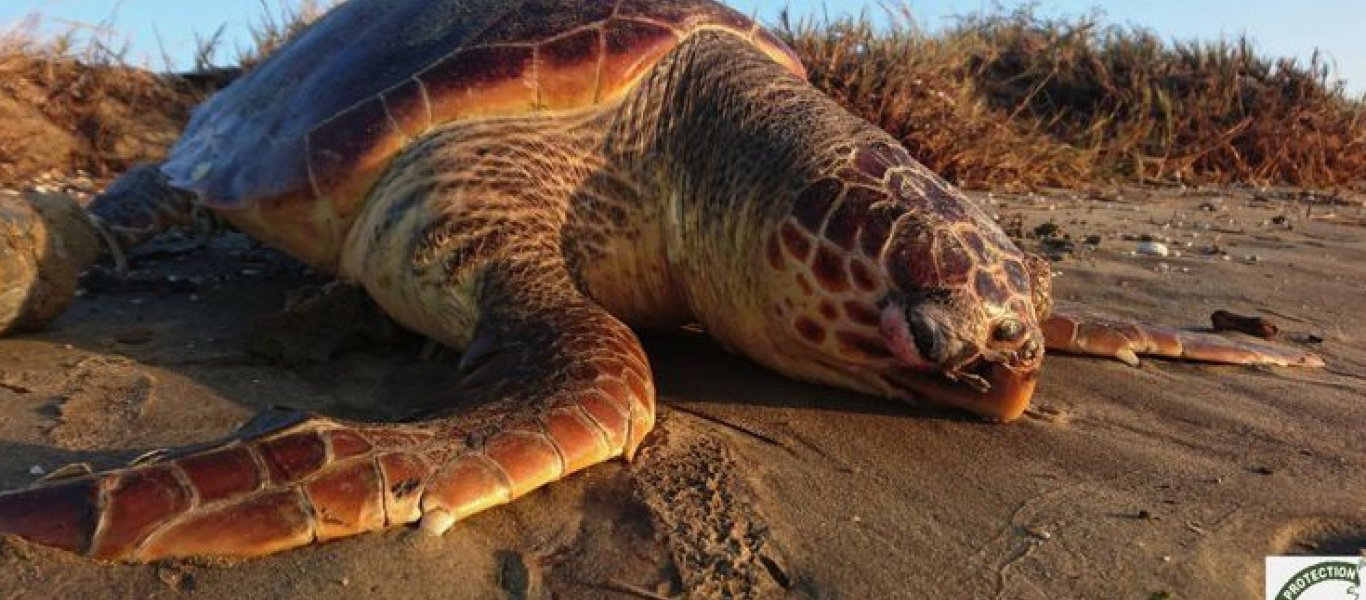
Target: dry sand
1120	482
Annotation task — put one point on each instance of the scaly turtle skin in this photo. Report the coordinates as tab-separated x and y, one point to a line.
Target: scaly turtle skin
522	181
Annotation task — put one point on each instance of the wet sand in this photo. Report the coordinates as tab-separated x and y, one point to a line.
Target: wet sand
1120	482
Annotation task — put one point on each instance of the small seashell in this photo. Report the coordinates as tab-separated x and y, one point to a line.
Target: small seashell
1153	249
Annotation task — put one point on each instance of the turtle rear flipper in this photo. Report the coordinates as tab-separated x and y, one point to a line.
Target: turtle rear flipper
138	206
1078	332
46	241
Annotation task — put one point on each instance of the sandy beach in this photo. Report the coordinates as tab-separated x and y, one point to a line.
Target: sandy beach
1171	480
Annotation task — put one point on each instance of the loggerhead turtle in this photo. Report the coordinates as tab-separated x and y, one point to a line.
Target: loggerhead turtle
522	181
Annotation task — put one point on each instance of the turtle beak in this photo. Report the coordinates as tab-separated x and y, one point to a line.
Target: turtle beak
1003	398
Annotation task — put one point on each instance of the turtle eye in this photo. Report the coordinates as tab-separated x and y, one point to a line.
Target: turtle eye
928	339
1009	330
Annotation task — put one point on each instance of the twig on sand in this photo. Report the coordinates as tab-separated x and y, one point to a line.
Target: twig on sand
14	387
632	589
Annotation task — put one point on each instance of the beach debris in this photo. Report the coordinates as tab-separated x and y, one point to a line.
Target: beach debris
776	570
176	578
1047	230
1153	249
1223	320
14	387
1056	243
1039	533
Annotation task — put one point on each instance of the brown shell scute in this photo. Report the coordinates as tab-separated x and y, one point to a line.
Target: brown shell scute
343	145
685	15
631	48
408	108
561	70
499	76
535	21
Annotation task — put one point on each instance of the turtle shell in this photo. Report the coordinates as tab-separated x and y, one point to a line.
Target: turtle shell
289	151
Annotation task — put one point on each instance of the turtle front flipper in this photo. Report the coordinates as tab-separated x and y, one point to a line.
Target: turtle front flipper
264	489
1075	331
545	391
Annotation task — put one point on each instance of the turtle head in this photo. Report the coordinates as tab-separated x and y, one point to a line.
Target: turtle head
947	348
896	284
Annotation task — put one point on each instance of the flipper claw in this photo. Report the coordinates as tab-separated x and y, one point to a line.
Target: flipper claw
111	244
436	522
1127	356
71	471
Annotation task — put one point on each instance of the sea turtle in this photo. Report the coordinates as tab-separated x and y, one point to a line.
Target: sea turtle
522	181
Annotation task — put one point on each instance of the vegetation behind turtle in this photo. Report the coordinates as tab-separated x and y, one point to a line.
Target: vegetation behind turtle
1000	100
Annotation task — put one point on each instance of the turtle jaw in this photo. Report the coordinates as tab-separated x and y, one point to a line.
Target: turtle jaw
1003	399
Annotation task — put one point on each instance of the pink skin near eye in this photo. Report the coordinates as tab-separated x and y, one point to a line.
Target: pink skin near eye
896	333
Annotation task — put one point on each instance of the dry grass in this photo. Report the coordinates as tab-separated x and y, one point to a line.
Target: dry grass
72	103
1002	100
914	86
278	25
1009	98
